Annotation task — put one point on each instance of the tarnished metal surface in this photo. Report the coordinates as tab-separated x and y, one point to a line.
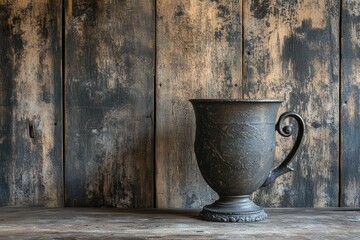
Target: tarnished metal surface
235	150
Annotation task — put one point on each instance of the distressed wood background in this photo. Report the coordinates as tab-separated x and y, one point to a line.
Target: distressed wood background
94	97
109	103
350	104
292	52
199	51
30	104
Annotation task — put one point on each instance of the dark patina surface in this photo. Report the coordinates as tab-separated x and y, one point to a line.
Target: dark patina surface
235	150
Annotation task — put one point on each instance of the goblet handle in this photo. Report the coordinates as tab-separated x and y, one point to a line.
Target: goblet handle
286	131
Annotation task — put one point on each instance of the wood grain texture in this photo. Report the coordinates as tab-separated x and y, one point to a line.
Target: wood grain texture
199	55
30	104
109	224
109	99
292	52
350	104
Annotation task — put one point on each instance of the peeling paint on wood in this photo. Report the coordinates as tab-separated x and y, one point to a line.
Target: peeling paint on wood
109	101
30	104
350	104
199	55
292	52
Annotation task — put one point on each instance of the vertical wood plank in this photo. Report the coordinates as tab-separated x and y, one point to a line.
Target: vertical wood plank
199	55
350	104
292	52
109	103
30	104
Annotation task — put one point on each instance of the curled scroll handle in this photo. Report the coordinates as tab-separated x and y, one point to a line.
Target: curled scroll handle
286	131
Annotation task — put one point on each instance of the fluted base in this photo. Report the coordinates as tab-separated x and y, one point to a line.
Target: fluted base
233	209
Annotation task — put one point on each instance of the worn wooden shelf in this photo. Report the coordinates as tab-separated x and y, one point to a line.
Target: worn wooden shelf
84	223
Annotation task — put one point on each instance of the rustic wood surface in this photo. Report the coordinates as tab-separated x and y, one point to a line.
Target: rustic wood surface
72	223
350	104
291	52
199	55
109	101
204	49
30	103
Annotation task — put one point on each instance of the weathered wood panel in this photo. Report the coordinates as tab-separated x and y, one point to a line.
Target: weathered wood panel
75	223
30	103
109	97
292	52
350	104
199	55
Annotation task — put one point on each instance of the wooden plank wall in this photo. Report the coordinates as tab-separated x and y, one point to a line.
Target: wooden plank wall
30	104
109	101
128	75
198	56
292	52
350	104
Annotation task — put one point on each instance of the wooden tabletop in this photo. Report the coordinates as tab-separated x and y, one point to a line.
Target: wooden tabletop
76	223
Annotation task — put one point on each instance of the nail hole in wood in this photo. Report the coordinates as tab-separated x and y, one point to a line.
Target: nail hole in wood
31	130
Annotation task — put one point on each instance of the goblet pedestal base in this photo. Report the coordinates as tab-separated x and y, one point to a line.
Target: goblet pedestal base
233	209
